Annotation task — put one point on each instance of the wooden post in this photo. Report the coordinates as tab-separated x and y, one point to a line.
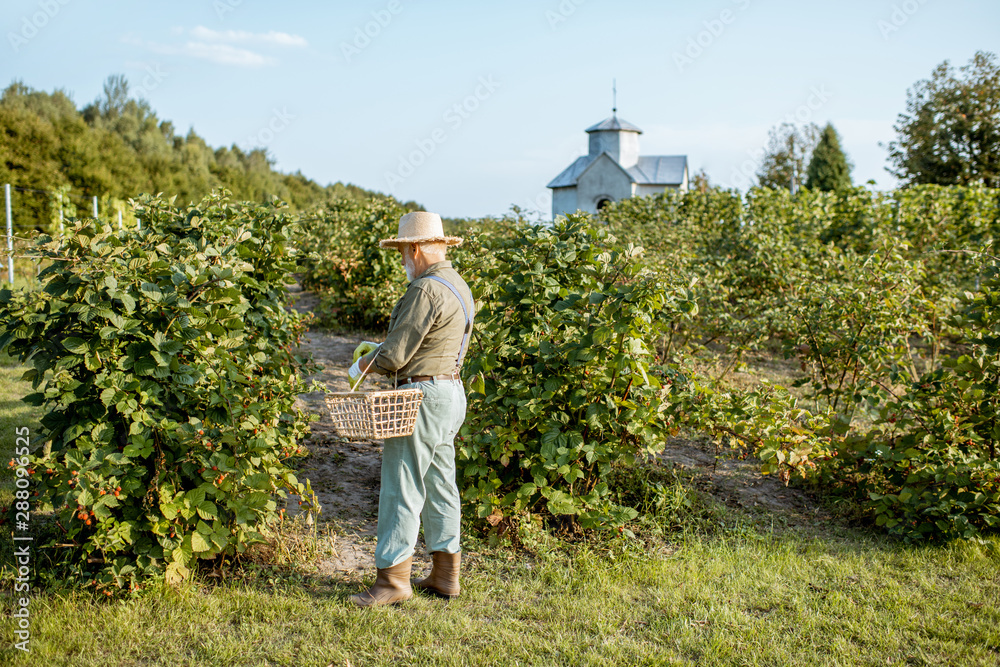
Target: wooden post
95	207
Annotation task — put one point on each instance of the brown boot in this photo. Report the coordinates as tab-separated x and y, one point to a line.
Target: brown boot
392	585
443	579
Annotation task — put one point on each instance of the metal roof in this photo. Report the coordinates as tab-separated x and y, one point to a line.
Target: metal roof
614	124
569	175
659	170
651	170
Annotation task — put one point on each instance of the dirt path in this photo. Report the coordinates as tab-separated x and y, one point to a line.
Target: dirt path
739	483
345	475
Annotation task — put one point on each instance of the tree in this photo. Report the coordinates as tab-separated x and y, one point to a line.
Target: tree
788	150
828	169
29	161
950	133
115	96
700	183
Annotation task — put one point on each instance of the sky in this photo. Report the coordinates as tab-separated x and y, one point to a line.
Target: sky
471	107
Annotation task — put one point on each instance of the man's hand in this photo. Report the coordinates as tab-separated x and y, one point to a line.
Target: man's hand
363	349
355	372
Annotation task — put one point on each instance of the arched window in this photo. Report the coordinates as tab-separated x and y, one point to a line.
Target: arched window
602	203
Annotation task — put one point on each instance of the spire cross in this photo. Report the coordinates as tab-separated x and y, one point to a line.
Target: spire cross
614	96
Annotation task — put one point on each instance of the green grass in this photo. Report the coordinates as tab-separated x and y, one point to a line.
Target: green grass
741	595
746	599
13	414
25	274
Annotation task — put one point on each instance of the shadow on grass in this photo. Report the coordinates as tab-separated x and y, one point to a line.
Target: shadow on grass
14	411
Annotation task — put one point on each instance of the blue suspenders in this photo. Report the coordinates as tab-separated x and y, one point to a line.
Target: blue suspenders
468	320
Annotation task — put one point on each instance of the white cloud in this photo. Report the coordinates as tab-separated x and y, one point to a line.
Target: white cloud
272	37
221	54
226	47
224	54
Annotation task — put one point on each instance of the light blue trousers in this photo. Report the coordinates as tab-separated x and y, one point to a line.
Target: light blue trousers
418	479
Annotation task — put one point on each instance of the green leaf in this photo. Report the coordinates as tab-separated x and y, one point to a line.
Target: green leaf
199	543
108	396
208	511
103	433
176	572
36	398
127	301
561	503
151	291
195	497
76	345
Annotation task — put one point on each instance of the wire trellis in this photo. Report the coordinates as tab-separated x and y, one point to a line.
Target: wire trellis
16	240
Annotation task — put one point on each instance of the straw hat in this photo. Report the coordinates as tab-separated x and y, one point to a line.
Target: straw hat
420	227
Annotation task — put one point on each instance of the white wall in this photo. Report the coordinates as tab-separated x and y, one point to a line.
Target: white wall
646	190
622	146
563	201
603	178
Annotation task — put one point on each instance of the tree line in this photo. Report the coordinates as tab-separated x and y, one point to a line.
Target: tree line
57	155
949	135
116	147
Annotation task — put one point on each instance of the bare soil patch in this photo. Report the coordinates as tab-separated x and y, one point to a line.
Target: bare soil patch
344	474
739	483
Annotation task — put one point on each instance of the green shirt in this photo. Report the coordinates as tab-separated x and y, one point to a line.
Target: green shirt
426	326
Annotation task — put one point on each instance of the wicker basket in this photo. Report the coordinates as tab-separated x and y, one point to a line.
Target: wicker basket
374	415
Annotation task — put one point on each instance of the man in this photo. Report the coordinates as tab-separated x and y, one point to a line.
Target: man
425	346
